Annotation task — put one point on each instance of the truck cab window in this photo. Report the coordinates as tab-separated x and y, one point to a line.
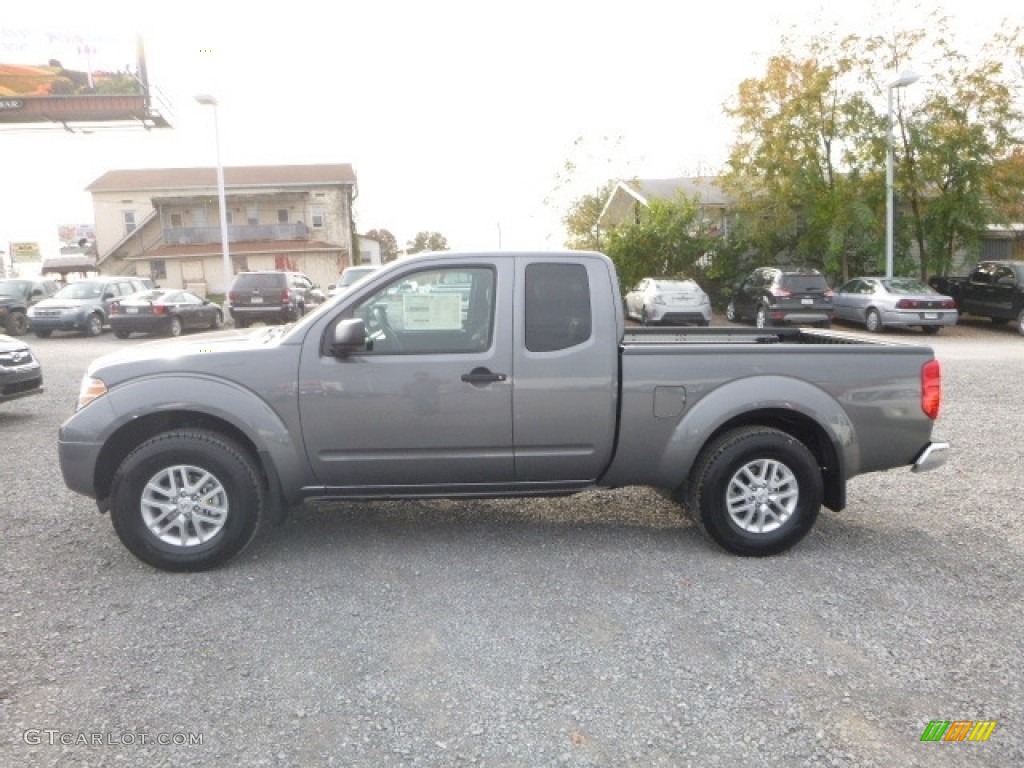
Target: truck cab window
558	313
432	312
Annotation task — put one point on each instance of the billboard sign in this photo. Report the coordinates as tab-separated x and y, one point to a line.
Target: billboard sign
66	76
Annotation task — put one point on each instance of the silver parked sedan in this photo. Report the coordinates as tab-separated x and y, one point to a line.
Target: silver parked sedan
668	302
894	302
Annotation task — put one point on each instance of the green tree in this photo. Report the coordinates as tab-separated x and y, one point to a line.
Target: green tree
388	244
427	241
668	241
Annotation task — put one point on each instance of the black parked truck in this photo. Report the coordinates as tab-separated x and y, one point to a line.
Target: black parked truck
993	289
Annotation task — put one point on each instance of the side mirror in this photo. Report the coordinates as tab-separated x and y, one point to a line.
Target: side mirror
349	337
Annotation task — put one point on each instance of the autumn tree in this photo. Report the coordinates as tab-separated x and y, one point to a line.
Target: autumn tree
388	244
955	147
427	241
808	167
582	226
798	182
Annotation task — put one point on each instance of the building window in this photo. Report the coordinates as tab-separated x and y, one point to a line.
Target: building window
228	217
158	269
175	219
282	215
252	215
317	215
129	222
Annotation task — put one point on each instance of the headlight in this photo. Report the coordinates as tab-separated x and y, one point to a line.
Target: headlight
90	390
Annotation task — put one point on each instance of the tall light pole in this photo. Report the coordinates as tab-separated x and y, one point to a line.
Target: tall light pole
210	101
905	78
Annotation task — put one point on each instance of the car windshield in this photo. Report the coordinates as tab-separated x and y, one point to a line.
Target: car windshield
351	276
79	291
260	282
14	288
675	285
151	295
804	283
906	285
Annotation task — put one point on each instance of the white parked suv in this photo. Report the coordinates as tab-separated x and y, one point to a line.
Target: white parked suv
350	276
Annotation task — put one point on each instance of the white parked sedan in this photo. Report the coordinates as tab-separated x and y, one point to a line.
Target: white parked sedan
888	302
667	301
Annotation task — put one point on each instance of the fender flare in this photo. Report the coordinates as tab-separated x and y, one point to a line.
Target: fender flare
209	400
741	402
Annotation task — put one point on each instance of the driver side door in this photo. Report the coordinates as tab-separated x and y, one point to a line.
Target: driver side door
428	403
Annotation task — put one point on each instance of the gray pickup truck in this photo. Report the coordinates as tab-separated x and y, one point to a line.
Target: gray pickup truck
490	375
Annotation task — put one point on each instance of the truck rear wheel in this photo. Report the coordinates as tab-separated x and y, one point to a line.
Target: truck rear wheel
187	500
756	491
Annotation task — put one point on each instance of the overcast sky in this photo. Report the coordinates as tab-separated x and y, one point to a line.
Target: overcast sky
457	116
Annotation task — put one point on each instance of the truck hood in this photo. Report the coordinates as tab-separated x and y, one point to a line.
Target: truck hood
214	353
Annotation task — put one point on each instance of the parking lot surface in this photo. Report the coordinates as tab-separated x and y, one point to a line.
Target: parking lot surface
597	630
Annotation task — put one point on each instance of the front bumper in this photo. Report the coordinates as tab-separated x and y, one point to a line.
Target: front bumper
65	322
932	457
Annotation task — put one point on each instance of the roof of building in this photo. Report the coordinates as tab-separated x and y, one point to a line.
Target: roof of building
706	189
136	179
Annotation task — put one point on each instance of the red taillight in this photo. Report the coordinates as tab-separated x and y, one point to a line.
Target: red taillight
286	296
159	309
949	304
931	388
906	304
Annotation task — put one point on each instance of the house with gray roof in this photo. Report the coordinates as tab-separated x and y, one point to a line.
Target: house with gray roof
164	223
630	197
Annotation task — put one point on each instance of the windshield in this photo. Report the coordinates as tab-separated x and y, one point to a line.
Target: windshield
79	291
14	288
354	275
906	285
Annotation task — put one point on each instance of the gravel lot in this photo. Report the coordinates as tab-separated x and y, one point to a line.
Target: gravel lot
600	630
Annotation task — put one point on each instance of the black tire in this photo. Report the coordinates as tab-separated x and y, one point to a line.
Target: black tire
174	328
730	313
17	324
731	469
931	330
122	334
873	321
643	317
94	325
218	321
43	334
234	495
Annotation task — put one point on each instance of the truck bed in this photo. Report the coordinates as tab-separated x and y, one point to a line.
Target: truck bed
727	335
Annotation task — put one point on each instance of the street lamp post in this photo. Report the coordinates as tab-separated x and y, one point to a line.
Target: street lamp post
210	101
904	79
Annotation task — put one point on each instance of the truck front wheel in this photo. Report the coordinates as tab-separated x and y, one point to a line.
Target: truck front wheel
756	491
187	500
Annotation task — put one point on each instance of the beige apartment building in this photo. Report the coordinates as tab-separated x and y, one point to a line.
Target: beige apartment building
164	223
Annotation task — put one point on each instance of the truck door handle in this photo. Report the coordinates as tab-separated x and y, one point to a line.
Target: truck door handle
482	376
